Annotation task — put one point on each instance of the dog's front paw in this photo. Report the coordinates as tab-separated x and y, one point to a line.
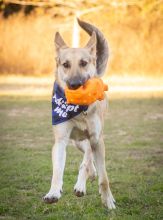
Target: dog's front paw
52	196
108	200
80	189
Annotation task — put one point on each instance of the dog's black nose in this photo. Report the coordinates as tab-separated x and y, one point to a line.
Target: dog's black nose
75	83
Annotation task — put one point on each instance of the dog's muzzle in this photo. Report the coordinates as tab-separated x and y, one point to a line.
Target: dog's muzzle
75	82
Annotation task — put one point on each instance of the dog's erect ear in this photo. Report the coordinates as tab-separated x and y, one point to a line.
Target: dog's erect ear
59	42
91	45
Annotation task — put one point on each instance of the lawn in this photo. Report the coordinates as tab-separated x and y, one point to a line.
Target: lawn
133	137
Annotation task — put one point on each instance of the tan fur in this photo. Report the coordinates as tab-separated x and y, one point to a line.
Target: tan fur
86	129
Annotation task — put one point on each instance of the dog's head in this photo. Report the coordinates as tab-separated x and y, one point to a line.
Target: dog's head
76	65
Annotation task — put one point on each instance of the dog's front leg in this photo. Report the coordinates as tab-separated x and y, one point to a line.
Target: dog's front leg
98	149
104	188
58	160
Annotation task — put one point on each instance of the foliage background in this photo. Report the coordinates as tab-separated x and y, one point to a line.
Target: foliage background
133	28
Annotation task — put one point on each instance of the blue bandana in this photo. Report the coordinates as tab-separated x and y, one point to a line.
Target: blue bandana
61	111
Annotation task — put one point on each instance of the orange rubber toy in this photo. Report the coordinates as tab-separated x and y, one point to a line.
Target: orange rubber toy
88	93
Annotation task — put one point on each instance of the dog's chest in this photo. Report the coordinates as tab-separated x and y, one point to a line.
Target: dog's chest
80	129
83	124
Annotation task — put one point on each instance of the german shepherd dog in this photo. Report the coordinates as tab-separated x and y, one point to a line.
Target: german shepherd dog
74	67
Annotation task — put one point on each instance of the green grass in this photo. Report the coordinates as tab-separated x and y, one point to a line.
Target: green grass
133	137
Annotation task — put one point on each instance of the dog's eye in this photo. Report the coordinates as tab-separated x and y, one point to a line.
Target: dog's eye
66	65
83	63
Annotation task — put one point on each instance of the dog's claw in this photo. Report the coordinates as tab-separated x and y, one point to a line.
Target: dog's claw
78	193
50	200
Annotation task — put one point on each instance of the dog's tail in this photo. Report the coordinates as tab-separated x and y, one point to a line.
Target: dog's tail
102	46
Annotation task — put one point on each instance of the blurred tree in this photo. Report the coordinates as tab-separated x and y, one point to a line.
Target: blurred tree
132	27
145	6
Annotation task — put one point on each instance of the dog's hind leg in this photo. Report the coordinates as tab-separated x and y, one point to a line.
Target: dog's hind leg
87	168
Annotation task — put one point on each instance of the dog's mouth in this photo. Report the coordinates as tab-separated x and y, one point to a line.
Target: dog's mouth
75	82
